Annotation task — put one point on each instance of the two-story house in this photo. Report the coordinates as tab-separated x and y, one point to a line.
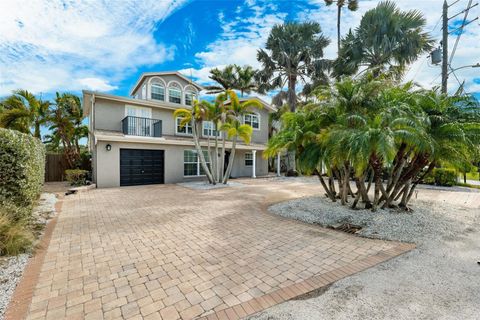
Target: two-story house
137	140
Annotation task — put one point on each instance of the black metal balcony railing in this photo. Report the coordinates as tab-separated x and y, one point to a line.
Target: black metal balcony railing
145	127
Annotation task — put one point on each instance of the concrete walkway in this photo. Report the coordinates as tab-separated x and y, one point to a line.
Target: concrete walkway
168	252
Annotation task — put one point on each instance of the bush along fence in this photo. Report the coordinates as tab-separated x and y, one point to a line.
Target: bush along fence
22	165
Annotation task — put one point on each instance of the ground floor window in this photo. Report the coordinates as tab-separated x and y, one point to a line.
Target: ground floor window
191	163
249	159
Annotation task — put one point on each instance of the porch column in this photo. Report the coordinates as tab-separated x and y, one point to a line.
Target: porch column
254	164
278	164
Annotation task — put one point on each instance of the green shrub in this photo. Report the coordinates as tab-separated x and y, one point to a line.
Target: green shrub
445	177
15	236
22	171
441	177
76	177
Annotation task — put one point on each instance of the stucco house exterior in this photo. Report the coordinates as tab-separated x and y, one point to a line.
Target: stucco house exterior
136	140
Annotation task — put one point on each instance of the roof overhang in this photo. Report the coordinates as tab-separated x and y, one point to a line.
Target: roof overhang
163	73
163	141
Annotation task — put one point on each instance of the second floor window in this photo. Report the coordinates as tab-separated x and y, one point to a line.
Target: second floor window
209	129
189	97
186	129
174	95
252	119
158	92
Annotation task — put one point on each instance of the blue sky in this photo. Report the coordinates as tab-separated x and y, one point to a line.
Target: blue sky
70	45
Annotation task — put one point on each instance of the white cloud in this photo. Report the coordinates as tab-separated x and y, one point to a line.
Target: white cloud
239	42
48	45
240	39
422	72
96	84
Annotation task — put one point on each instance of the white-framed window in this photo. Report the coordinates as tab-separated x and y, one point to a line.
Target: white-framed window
253	120
186	129
191	163
208	129
189	97
158	92
248	159
174	93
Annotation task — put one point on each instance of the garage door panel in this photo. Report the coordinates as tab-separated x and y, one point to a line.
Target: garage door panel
140	166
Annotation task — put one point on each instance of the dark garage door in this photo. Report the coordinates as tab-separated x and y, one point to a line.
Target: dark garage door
139	167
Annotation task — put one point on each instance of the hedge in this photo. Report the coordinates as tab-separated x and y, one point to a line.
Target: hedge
22	171
441	177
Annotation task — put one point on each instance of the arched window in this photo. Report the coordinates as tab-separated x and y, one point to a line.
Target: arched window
190	95
157	91
174	93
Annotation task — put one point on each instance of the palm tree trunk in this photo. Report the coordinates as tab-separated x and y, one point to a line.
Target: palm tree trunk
222	161
324	185
200	153
339	17
230	160
37	133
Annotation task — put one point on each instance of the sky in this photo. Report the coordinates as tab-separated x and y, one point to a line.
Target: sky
70	45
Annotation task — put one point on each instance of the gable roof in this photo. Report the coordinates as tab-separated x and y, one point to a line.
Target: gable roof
163	73
266	105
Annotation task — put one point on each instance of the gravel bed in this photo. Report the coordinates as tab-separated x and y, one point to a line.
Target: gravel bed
11	268
426	222
437	280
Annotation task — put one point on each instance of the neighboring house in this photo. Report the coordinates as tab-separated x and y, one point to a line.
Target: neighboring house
136	141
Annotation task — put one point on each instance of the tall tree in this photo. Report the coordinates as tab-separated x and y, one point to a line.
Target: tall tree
225	78
233	77
22	111
352	5
65	120
294	53
245	79
387	40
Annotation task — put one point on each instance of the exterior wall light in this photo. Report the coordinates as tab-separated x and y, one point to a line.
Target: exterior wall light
108	147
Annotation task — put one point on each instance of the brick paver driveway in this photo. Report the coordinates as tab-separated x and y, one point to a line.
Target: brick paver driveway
167	252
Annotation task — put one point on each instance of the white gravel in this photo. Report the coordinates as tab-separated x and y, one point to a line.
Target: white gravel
440	279
11	268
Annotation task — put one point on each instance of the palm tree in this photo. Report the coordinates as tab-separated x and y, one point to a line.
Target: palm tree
295	52
22	111
352	5
245	79
225	78
65	120
387	39
233	77
225	115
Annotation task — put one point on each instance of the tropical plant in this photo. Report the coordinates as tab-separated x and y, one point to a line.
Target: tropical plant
66	127
245	79
225	114
373	127
224	77
386	40
233	77
22	111
294	55
352	5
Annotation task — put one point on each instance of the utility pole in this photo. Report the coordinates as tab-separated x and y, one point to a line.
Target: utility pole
445	47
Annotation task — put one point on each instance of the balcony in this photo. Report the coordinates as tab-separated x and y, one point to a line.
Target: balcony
145	127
